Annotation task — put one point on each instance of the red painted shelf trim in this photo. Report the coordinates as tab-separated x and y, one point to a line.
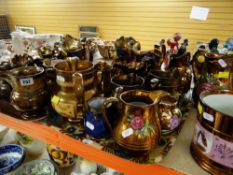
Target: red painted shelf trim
49	135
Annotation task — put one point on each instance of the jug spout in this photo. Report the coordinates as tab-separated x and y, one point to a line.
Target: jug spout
79	92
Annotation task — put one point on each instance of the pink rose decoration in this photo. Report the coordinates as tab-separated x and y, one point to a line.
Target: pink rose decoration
137	123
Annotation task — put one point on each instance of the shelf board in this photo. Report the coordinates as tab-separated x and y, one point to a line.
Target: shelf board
51	136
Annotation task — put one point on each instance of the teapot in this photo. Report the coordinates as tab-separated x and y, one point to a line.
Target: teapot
29	93
138	128
75	79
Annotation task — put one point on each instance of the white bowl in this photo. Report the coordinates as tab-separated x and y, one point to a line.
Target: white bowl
3	131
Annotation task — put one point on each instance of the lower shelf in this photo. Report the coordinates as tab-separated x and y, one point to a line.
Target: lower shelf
178	158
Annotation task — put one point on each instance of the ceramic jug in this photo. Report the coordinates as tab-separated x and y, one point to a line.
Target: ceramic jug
220	67
181	63
170	115
138	128
103	74
75	79
29	93
126	82
97	123
168	81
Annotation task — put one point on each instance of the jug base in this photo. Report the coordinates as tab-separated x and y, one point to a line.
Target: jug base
35	115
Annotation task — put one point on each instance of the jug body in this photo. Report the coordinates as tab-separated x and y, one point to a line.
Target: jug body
138	128
170	115
70	101
29	91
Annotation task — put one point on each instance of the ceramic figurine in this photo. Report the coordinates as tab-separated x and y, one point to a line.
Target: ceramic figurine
174	45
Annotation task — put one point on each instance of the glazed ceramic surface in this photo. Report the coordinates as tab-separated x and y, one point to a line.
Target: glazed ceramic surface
76	81
212	143
97	123
127	82
32	146
60	157
3	131
169	114
37	167
94	122
11	156
138	127
103	74
29	89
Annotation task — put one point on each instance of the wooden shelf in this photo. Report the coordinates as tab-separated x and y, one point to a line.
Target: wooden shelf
50	135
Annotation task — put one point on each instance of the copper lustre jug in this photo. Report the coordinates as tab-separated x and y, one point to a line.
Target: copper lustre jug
29	93
138	128
75	79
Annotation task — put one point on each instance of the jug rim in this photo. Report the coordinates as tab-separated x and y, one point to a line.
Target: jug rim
78	61
140	84
215	92
40	70
136	105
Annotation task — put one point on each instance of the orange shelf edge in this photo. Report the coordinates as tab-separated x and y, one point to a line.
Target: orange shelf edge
49	135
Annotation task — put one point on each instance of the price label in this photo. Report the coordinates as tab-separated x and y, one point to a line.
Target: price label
199	108
26	81
222	63
208	116
90	126
126	133
223	75
55	99
60	78
201	59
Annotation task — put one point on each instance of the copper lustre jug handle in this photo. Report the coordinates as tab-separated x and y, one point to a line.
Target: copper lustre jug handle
79	92
107	103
